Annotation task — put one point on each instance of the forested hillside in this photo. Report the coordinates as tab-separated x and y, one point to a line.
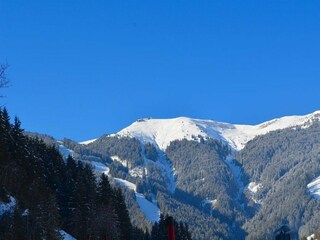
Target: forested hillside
207	195
204	190
204	180
42	194
283	163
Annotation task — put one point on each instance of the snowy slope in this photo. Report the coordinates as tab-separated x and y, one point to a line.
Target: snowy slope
314	188
66	236
254	187
150	209
311	237
7	207
100	167
163	131
88	141
65	152
126	183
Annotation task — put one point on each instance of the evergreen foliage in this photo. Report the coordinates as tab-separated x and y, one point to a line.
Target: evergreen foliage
202	173
125	148
150	151
53	194
160	232
199	163
193	161
284	162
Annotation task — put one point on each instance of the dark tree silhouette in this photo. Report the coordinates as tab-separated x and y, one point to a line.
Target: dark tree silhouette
4	82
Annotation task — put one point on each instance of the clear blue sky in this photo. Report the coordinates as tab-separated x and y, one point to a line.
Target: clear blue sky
80	69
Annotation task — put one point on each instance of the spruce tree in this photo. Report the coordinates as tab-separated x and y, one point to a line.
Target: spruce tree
104	191
122	214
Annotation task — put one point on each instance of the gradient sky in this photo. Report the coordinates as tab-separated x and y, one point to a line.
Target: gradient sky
79	69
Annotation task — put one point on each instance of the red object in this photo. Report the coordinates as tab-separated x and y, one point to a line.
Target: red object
170	229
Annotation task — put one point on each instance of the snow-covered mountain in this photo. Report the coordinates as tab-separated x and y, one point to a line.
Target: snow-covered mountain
161	132
197	176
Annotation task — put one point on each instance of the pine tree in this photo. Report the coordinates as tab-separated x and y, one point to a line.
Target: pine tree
50	218
104	213
104	191
4	152
83	203
19	224
122	214
67	192
160	232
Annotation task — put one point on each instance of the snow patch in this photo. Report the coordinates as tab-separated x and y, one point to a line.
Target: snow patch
100	167
137	172
66	236
65	152
311	237
7	207
118	159
236	172
314	188
213	203
254	187
126	183
168	171
150	209
25	213
88	141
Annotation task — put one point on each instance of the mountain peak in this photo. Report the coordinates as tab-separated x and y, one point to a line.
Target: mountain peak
161	132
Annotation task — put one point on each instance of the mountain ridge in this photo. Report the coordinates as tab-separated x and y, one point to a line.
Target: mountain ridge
161	132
